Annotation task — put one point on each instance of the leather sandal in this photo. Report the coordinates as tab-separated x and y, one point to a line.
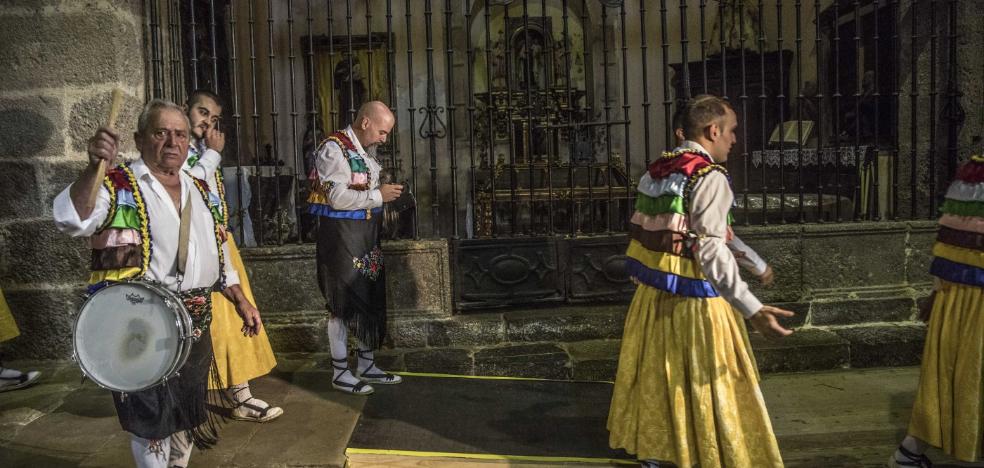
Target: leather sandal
358	388
373	374
269	413
25	379
916	460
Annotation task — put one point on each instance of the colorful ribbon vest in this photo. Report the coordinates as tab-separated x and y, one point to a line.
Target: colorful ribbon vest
658	254
959	249
319	201
121	247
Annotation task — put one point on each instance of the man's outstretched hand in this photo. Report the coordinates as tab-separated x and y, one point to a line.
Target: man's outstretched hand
767	323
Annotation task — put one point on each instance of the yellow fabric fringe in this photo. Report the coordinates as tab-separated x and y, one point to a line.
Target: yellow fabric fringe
8	327
238	358
962	255
687	388
664	261
948	412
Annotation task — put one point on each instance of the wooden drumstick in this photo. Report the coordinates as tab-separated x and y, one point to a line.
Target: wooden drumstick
114	111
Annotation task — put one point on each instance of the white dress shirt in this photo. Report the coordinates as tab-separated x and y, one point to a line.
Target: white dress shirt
208	162
164	219
333	167
710	204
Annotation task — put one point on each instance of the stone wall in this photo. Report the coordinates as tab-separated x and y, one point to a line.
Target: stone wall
59	63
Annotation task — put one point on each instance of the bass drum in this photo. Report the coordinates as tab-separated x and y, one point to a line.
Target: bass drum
131	336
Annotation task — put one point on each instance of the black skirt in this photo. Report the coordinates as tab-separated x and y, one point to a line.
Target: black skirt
351	275
180	404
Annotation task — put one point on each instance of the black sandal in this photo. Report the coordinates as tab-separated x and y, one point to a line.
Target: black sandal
380	377
25	379
265	414
358	388
918	460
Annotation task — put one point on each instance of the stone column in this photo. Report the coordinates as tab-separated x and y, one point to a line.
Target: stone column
59	62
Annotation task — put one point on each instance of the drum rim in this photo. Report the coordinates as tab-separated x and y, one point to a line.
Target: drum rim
182	321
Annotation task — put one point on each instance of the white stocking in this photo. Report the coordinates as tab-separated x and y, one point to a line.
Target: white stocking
180	449
150	453
338	343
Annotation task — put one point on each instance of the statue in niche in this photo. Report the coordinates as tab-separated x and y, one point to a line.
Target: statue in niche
351	88
739	23
560	63
498	66
529	60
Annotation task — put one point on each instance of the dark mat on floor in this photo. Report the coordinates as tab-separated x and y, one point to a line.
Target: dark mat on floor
488	416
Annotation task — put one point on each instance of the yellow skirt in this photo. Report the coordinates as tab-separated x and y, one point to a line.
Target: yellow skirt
687	387
238	358
8	328
948	412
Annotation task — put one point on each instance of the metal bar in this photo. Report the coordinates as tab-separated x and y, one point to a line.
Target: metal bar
351	62
332	110
431	115
589	104
897	97
799	107
157	66
312	112
764	113
819	123
954	115
684	42
513	215
490	124
237	120
876	95
933	111
858	84
256	120
644	52
298	162
571	133
174	48
391	79
608	127
529	131
214	46
667	100
470	52
703	45
837	112
743	99
194	45
724	50
626	208
369	50
781	100
412	111
913	103
452	153
273	117
548	84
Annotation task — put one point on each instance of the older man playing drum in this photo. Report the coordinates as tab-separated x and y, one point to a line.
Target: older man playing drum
151	222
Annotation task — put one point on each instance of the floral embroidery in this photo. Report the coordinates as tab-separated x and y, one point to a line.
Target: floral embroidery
220	233
198	302
370	265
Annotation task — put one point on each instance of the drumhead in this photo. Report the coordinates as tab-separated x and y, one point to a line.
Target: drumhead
126	337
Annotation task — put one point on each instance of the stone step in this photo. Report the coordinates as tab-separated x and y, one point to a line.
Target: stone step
808	349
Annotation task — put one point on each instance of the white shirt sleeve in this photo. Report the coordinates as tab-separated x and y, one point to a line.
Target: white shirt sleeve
333	167
67	219
207	164
231	275
710	203
748	258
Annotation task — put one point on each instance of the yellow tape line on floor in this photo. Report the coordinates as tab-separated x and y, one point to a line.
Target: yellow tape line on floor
488	456
495	377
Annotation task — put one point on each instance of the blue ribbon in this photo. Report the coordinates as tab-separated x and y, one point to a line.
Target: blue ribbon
954	272
674	284
329	212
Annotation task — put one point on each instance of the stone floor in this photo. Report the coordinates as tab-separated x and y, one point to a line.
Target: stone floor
847	418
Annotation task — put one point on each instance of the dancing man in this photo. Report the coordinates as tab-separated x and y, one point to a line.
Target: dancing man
686	390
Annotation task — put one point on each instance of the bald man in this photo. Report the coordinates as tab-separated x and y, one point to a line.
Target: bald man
347	198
